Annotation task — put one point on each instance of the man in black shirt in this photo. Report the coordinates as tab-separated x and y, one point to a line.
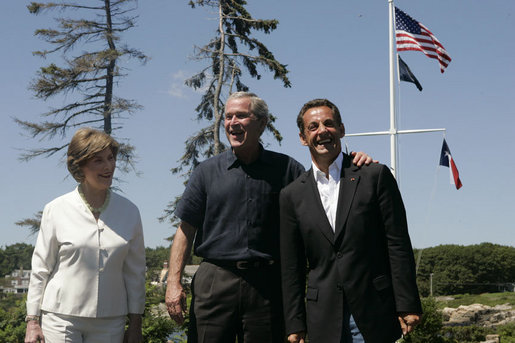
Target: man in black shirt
231	204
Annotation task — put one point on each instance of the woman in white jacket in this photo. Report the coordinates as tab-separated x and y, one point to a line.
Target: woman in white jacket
88	266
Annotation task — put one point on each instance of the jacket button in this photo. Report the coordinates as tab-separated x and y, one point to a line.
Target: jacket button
339	287
339	254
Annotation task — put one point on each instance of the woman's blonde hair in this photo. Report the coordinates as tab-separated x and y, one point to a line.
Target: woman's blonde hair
85	143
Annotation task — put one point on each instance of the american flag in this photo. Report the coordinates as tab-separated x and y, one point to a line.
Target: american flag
412	35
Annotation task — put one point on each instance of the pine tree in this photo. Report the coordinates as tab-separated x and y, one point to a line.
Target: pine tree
90	47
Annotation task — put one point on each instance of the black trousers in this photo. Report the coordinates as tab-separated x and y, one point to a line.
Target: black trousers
230	305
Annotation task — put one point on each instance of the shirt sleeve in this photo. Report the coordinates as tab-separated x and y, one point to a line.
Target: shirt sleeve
134	270
43	262
192	206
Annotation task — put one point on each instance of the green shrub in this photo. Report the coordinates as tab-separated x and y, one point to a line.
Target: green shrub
157	325
429	329
507	332
12	323
467	334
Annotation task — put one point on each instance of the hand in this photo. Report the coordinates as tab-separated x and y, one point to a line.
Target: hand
297	337
361	158
408	322
133	333
175	300
34	333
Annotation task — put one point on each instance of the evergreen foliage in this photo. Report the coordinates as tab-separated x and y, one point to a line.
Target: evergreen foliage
14	257
32	224
229	54
430	326
479	268
89	42
156	325
12	319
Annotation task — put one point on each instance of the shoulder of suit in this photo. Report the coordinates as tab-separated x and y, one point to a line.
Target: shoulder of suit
298	182
364	169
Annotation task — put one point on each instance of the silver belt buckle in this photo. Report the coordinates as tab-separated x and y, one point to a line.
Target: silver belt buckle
242	264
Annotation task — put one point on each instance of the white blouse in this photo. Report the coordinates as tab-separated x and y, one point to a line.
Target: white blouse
85	268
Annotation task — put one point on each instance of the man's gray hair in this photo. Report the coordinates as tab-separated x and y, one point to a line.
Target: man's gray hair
258	106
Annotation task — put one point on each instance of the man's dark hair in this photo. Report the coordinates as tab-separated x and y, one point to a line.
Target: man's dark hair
317	103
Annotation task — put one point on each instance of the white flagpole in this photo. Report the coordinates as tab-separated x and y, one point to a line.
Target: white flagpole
393	132
393	123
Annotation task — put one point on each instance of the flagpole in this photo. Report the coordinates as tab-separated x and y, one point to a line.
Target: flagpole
393	132
393	124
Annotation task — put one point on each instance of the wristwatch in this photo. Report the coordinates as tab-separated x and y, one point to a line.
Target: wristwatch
32	318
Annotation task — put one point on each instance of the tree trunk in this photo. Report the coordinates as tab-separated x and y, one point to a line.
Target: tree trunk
108	99
216	104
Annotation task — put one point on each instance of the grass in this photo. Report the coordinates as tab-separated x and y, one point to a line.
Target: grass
490	299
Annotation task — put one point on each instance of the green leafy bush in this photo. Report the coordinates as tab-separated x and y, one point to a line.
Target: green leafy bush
12	323
466	334
429	329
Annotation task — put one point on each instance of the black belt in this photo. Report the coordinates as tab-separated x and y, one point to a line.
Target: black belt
241	265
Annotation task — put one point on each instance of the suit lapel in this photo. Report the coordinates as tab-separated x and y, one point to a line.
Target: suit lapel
312	193
348	183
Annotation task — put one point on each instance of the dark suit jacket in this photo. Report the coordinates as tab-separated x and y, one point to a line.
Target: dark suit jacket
368	260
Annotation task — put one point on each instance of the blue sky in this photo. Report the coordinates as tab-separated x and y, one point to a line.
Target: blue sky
334	49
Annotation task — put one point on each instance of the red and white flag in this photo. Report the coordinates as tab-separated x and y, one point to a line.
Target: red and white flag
412	35
447	161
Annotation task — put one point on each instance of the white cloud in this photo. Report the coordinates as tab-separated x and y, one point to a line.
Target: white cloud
177	88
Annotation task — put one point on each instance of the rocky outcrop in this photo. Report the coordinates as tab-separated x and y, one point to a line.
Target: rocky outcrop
478	314
492	339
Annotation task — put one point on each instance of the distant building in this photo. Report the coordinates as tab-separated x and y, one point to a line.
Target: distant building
19	280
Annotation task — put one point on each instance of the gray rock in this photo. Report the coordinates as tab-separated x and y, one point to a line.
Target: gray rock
478	314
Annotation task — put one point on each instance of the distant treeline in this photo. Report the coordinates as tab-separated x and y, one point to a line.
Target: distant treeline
19	255
473	269
456	269
15	256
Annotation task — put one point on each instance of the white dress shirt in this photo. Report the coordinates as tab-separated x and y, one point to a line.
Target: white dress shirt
85	268
328	188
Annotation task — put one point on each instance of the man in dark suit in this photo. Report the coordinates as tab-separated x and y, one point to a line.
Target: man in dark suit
345	226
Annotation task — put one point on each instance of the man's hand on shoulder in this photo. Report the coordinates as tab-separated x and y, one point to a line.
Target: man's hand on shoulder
408	321
361	158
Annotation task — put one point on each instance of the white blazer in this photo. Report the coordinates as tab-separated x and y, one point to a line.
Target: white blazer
85	268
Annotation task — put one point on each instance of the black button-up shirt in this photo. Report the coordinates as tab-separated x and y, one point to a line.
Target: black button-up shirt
235	207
